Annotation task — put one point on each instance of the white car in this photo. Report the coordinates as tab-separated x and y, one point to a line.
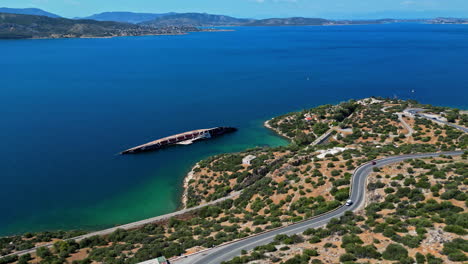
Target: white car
349	202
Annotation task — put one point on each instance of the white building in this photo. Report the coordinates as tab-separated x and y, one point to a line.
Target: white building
332	151
248	159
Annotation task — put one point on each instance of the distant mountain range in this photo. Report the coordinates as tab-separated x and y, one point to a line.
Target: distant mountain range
207	20
17	26
447	20
203	19
197	19
294	21
36	23
128	17
210	20
27	11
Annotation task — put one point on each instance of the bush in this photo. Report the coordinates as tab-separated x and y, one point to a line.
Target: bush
455	229
24	259
9	259
431	259
92	242
369	251
395	252
454	249
347	257
43	252
311	252
457	256
420	258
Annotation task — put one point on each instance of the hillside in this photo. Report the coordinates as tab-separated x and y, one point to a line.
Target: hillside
303	21
413	215
27	11
293	21
415	210
14	26
197	19
447	20
202	19
126	17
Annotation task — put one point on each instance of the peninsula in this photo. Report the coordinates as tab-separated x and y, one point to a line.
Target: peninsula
18	26
374	180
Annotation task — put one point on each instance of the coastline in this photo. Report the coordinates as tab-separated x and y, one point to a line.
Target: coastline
120	36
267	125
190	175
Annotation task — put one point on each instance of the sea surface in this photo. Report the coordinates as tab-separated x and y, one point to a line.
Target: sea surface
68	106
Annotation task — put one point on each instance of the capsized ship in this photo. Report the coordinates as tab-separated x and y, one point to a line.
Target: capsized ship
185	138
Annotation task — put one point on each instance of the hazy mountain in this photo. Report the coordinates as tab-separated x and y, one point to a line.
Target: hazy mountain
202	19
400	15
292	21
27	11
128	17
16	26
197	19
448	20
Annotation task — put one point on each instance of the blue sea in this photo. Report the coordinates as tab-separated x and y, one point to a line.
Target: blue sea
68	106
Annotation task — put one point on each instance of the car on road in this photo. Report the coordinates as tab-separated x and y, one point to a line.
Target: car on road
349	202
374	163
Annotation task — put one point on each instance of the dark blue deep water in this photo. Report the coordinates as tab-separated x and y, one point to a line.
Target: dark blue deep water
69	105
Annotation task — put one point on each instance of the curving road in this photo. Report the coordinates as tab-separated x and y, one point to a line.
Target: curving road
408	127
358	190
230	250
416	112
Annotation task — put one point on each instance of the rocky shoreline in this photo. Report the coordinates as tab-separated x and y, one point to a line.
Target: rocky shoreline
267	125
190	175
119	36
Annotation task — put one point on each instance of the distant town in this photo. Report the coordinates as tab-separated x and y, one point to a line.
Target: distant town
37	24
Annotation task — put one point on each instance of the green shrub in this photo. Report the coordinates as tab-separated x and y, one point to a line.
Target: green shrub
395	252
455	229
347	257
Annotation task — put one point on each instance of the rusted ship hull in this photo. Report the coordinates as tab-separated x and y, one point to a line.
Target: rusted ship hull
189	137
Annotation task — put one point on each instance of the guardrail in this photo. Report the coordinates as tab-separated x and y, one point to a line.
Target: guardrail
403	157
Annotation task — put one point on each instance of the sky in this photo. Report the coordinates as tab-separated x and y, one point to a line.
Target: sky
334	9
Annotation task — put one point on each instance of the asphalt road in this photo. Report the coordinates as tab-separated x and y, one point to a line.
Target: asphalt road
226	252
416	112
408	127
358	190
130	225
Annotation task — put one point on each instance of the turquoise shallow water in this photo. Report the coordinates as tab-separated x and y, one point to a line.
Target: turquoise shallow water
68	106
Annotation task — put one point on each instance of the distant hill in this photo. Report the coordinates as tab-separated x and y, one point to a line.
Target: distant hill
202	19
127	17
27	11
293	21
15	26
448	20
197	19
